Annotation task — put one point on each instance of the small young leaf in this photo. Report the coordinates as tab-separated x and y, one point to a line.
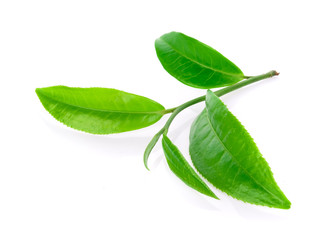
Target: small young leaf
182	169
194	63
99	110
224	153
150	146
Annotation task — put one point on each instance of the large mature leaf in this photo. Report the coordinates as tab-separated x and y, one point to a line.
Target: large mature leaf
182	169
99	110
224	153
194	63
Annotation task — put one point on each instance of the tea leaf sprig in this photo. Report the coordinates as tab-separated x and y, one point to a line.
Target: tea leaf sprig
221	149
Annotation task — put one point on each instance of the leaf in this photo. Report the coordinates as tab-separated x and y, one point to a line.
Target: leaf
195	63
224	153
150	146
99	110
182	169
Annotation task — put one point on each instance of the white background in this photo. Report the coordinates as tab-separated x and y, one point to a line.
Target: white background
57	183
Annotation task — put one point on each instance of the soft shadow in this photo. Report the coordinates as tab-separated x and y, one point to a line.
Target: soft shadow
126	143
189	194
253	212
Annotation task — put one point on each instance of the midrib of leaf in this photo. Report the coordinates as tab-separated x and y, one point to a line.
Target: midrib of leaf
193	60
101	110
233	157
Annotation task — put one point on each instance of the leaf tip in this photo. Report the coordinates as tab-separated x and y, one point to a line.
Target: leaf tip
38	91
215	197
209	93
145	161
281	203
286	204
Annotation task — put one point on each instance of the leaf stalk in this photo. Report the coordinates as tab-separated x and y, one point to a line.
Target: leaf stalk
175	111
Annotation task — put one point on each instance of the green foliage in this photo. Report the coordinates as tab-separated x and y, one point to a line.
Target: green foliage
99	110
221	149
225	154
194	63
150	146
182	168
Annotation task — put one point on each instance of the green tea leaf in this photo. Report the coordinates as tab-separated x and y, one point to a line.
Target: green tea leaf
194	63
224	153
150	146
99	110
182	169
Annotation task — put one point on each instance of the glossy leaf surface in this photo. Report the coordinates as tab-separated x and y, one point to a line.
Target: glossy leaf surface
182	168
99	110
194	63
225	154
